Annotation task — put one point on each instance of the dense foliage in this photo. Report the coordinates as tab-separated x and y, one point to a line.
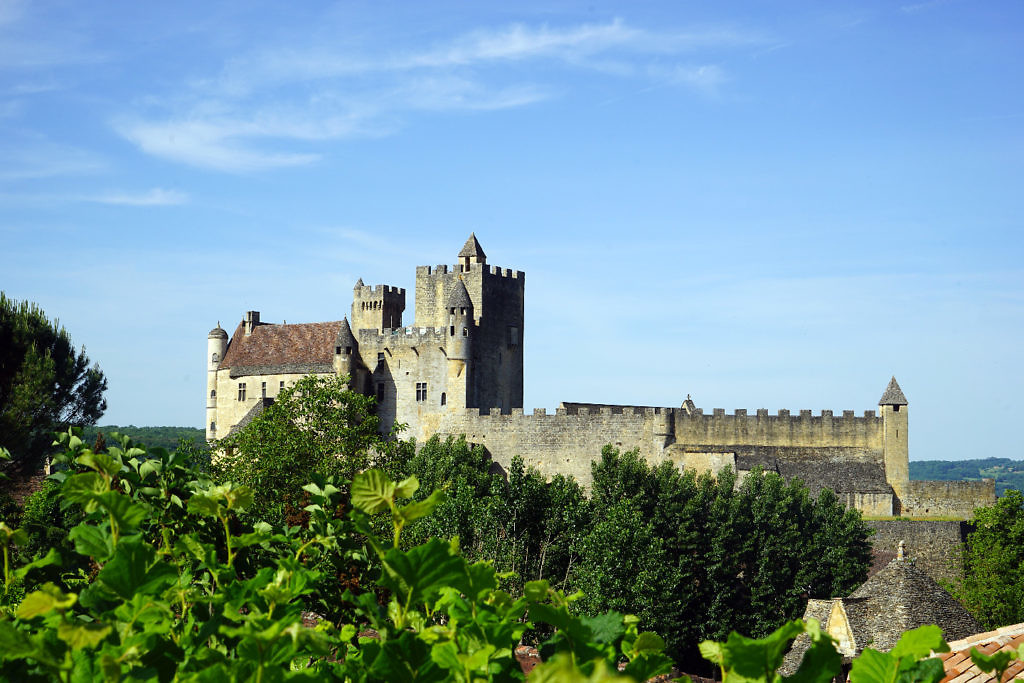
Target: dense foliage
992	587
45	384
159	437
1008	474
179	592
697	556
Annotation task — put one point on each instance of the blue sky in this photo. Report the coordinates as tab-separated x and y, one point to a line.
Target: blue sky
762	204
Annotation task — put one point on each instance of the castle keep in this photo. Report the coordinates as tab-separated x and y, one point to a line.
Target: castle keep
459	370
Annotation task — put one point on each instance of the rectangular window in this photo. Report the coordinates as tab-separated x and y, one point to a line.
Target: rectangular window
281	388
263	389
241	391
513	337
380	392
421	391
380	357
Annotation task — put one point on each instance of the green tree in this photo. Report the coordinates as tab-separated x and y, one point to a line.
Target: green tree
992	587
698	556
315	427
45	384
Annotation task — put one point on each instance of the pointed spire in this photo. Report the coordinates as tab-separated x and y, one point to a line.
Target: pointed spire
893	395
459	296
345	336
359	283
472	252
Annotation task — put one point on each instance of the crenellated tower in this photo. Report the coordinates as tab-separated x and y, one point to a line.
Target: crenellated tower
377	308
216	344
895	446
494	372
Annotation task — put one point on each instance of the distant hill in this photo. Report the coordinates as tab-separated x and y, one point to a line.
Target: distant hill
1009	474
166	437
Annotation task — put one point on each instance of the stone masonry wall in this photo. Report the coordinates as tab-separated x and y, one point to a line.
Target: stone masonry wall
946	498
933	545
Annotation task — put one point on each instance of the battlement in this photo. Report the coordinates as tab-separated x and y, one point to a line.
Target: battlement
785	413
402	335
486	268
378	290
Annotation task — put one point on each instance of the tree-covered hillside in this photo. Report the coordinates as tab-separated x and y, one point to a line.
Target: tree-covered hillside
1009	474
165	437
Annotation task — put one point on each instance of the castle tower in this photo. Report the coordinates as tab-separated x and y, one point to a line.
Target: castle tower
459	345
495	357
377	308
895	450
346	354
216	344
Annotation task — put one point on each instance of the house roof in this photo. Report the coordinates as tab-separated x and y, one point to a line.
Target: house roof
959	667
901	597
893	395
278	349
261	405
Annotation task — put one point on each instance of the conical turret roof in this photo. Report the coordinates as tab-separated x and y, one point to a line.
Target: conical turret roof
218	333
345	336
459	296
893	395
359	283
472	249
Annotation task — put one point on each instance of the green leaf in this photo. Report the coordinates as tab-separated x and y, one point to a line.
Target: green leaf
417	575
407	487
44	601
646	667
372	492
134	569
204	506
84	634
83	489
101	462
920	642
126	513
92	541
646	643
414	511
14	644
535	591
52	557
873	666
606	628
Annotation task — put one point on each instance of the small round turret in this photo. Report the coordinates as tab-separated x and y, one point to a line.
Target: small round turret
460	322
218	333
216	345
345	349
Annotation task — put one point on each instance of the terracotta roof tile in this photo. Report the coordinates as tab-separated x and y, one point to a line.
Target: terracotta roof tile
959	667
301	344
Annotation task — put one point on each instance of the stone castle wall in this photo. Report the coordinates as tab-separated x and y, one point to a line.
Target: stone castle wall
933	545
946	498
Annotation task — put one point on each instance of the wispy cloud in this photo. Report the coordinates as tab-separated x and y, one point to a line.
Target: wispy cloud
154	197
258	112
31	156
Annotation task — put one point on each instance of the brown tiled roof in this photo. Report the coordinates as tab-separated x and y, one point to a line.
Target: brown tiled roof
959	667
305	347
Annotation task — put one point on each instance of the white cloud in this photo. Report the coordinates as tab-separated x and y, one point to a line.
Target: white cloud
154	197
256	113
31	156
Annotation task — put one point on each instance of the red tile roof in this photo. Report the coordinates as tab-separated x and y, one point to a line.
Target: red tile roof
959	667
301	344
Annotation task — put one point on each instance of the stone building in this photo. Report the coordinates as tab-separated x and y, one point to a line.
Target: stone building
897	599
459	370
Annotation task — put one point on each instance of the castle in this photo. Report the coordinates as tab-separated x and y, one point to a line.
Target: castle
459	370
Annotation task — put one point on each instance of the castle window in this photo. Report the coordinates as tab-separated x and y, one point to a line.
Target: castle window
380	392
348	350
421	391
465	331
444	398
896	409
281	388
451	331
241	391
213	393
513	337
263	389
213	427
380	357
337	350
215	357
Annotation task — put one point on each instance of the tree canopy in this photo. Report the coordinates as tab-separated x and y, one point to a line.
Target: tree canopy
45	384
992	587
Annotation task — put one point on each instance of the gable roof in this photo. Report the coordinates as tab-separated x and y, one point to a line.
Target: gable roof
893	395
279	349
959	667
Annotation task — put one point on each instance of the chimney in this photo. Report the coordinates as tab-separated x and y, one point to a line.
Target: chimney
252	319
